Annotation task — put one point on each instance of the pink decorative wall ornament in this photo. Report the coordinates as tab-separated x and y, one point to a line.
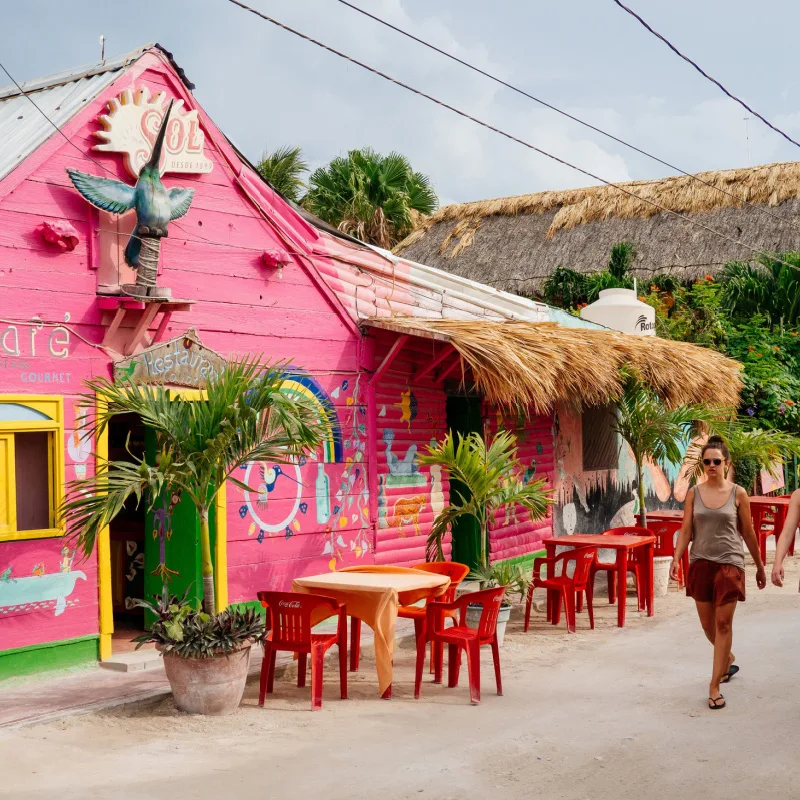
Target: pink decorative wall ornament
60	233
275	259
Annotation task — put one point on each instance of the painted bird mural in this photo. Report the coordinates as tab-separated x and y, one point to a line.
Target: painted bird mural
155	207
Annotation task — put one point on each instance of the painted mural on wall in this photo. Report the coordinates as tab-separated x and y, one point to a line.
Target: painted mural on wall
39	589
326	495
592	501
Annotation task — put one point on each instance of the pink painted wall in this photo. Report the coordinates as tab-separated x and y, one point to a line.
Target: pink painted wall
212	257
410	414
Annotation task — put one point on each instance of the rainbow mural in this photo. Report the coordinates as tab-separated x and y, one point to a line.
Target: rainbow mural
305	385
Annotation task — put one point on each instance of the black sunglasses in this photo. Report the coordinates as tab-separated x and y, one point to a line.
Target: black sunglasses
709	461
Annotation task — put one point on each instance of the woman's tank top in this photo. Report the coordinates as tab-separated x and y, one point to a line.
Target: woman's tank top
715	532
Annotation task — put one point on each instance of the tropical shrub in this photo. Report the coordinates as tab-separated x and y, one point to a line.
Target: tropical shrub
181	629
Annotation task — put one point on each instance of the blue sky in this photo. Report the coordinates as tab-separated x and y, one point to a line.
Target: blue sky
265	88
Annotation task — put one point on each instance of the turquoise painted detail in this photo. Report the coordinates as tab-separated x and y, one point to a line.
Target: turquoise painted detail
34	591
16	412
323	495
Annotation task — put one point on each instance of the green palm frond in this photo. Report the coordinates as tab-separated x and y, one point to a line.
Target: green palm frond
283	170
247	415
370	196
491	475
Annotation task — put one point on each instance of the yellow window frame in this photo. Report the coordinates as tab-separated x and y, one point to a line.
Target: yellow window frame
53	407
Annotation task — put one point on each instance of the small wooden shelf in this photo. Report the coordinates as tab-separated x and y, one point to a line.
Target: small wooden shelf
128	320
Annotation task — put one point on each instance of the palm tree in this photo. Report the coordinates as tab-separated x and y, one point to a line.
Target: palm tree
200	446
373	197
283	170
656	432
752	449
491	477
769	288
616	275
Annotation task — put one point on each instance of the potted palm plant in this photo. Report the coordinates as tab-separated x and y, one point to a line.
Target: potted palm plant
201	445
491	477
504	573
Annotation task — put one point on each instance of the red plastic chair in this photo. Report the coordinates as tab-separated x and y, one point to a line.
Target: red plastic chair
634	565
768	521
459	637
456	572
565	586
291	617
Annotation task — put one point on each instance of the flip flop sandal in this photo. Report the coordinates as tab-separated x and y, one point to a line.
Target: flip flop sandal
714	703
731	672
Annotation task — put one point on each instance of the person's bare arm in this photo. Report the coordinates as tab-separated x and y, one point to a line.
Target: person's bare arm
749	534
785	539
685	535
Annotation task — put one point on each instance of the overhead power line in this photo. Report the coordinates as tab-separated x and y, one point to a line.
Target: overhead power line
713	80
739	198
488	126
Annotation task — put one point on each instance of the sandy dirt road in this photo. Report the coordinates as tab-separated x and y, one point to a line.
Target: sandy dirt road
605	714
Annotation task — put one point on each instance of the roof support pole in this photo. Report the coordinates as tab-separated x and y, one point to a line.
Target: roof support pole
421	373
388	359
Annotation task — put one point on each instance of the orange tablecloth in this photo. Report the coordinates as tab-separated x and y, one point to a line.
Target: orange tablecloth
374	598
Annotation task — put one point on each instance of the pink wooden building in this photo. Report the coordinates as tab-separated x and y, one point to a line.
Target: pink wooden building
248	273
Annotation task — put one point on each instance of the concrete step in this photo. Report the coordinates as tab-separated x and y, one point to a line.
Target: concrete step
135	661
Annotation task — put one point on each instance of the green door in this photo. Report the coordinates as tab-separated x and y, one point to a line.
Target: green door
172	544
464	417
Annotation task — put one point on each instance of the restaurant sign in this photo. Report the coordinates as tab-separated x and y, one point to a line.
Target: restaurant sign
131	125
183	361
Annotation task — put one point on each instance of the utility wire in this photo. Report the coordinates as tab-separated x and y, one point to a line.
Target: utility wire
713	80
510	136
545	104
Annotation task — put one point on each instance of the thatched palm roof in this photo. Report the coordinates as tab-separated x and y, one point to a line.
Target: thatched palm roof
543	363
513	243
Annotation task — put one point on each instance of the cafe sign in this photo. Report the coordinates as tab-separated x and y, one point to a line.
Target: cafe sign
131	124
184	361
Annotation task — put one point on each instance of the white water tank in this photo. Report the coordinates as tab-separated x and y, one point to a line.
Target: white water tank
621	310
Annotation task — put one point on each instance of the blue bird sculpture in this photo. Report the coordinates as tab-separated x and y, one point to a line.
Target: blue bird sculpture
155	207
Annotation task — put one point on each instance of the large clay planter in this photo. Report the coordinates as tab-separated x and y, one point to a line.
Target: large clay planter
208	685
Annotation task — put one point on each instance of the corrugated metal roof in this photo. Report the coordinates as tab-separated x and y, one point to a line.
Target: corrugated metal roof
23	126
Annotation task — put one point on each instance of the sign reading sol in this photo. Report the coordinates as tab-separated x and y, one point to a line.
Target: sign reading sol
131	125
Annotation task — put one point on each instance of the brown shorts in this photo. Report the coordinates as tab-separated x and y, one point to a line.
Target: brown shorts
710	582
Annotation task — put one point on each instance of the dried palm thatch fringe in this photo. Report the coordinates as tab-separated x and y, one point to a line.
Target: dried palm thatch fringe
543	363
769	184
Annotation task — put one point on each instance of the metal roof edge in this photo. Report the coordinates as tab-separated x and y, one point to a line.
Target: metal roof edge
517	305
90	70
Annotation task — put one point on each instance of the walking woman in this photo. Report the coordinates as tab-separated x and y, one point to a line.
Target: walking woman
716	519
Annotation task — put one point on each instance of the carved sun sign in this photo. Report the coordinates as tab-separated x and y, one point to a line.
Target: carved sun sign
132	123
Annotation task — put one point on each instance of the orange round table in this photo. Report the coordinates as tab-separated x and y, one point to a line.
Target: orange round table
374	598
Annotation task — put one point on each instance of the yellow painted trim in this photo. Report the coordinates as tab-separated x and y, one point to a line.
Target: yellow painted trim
221	567
104	552
104	647
188	394
8	488
53	406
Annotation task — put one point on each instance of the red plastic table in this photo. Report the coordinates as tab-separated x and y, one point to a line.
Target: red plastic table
665	524
759	506
623	546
